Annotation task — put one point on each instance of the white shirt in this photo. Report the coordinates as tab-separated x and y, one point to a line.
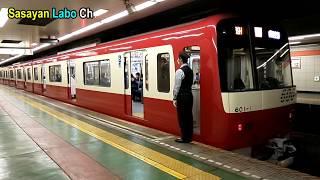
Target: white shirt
178	79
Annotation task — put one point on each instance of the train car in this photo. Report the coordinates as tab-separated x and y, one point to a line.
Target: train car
243	90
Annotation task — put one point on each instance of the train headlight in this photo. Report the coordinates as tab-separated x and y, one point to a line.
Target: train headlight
240	127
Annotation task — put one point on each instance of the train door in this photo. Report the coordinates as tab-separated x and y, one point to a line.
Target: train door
72	79
134	69
24	78
43	78
194	63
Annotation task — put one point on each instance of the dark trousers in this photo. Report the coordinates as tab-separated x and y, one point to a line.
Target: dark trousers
185	117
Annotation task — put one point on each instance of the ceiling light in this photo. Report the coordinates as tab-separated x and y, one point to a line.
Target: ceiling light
3	16
100	12
40	47
115	17
303	36
296	42
16	51
80	31
10	59
145	5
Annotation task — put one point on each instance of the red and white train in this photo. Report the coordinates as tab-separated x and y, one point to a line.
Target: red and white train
243	90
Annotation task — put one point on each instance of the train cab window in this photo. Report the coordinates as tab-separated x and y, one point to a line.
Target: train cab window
105	73
35	74
163	72
19	74
235	62
55	73
29	73
273	59
91	73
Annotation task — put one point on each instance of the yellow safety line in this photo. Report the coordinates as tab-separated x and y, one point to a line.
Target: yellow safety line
165	163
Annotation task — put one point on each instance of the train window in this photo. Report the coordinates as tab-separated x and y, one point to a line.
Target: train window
147	72
29	73
194	63
55	73
105	73
35	74
19	74
91	73
163	72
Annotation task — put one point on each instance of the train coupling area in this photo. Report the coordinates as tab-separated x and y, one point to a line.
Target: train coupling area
42	138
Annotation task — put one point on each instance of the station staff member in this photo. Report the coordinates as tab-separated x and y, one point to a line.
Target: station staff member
183	99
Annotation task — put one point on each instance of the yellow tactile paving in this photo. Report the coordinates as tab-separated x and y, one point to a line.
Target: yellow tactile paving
165	163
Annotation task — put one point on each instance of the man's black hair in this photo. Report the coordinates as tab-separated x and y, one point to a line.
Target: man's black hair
184	57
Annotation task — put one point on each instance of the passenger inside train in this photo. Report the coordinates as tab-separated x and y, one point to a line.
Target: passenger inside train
136	87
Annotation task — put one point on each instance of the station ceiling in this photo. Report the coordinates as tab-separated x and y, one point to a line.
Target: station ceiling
297	18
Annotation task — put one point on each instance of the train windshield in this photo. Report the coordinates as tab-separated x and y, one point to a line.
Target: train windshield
252	57
272	61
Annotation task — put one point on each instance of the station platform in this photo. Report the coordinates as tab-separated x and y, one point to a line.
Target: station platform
311	98
42	138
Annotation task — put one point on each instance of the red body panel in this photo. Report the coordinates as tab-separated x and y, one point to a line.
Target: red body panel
12	83
56	92
37	88
29	86
20	85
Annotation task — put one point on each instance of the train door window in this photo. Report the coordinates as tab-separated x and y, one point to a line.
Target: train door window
91	73
19	74
35	73
29	73
72	79
55	73
105	73
194	64
11	74
24	74
146	72
136	65
163	72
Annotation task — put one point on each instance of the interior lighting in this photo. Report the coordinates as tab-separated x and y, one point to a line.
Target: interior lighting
3	16
100	12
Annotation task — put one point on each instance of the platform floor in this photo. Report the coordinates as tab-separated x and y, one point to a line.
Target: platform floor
308	98
45	139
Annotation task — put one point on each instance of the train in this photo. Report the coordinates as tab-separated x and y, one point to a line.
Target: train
243	90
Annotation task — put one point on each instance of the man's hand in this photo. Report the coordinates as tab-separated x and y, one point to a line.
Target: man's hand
174	103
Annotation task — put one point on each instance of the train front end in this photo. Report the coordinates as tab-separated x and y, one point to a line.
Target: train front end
257	90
